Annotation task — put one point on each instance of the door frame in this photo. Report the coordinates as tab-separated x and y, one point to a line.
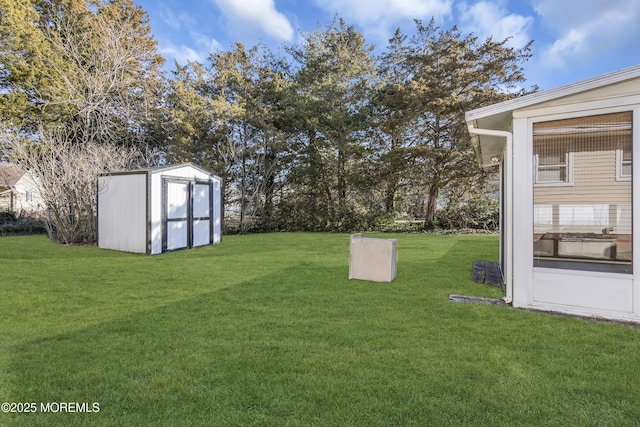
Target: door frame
191	184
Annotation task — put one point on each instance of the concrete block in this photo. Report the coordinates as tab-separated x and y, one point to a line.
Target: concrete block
372	259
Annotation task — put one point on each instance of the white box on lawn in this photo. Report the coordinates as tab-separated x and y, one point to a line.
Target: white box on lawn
372	259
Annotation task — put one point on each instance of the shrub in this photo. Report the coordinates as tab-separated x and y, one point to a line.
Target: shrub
481	213
10	224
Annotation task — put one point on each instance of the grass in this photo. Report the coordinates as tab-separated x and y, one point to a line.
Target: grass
267	330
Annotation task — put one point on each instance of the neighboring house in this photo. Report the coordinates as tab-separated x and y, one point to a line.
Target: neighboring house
568	201
18	191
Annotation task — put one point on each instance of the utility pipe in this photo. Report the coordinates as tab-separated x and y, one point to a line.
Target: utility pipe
508	176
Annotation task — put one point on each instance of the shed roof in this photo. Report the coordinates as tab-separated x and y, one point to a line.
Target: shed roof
498	116
154	169
10	174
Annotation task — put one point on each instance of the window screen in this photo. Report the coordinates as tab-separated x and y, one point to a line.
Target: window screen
552	164
582	193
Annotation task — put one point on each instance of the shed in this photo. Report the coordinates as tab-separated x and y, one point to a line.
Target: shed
568	201
159	209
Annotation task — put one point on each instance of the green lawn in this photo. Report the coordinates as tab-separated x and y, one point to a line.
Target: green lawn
267	330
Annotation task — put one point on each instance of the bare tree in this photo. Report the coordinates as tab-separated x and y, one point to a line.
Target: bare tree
109	80
248	167
66	178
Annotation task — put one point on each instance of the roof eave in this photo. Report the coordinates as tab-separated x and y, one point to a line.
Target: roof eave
551	94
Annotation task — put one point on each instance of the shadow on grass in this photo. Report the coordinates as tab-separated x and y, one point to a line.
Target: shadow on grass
303	345
306	346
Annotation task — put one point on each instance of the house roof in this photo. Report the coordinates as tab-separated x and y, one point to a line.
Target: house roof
10	174
551	94
498	116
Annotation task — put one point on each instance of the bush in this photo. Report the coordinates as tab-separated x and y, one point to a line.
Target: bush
10	224
481	213
7	217
300	216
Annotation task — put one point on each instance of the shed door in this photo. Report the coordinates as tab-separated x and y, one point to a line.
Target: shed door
176	209
187	214
202	202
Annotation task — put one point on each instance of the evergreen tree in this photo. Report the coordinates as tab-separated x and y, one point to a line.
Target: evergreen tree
452	74
334	76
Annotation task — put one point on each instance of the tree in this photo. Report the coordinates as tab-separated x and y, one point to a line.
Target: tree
226	115
85	77
66	174
334	76
393	115
88	66
452	74
195	134
24	53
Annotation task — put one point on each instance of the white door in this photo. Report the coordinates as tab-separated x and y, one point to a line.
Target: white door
202	207
177	215
187	214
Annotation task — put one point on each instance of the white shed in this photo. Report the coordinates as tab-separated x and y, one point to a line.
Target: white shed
159	209
568	201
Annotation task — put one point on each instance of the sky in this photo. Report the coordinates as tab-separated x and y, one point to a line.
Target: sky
573	39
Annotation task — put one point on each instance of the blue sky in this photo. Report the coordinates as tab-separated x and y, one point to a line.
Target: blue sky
573	39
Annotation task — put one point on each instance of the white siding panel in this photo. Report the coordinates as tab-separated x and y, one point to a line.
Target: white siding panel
177	200
186	172
155	202
201	201
583	293
201	233
122	213
522	219
615	94
217	211
176	235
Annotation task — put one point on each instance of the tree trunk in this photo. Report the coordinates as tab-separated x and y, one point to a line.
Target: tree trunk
432	204
243	191
269	188
390	197
392	181
342	180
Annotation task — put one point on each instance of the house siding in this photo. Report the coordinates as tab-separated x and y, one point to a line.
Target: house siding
14	199
594	181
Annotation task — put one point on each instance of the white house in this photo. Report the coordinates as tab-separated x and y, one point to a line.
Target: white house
19	193
568	203
159	209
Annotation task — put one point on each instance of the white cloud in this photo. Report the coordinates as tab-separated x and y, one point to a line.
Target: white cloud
246	15
206	43
176	20
588	30
181	54
489	19
379	18
572	44
368	12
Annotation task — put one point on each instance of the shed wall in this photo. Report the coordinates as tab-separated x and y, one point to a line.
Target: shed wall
155	202
122	212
